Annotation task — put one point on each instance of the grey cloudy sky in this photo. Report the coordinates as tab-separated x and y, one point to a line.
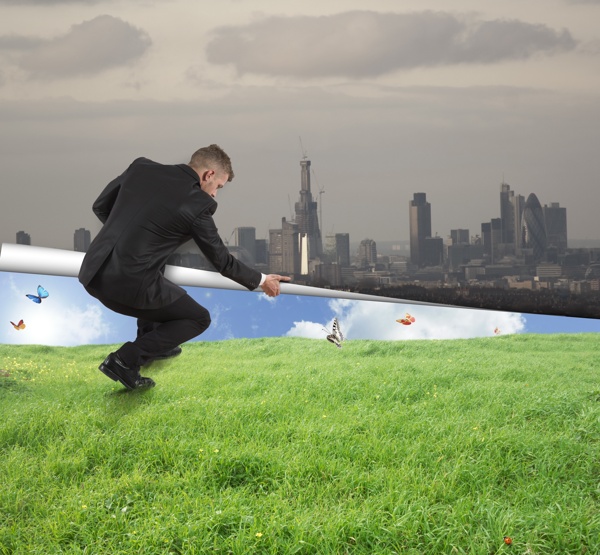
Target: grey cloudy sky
389	97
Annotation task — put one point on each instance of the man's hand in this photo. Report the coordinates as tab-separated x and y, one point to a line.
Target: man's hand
271	285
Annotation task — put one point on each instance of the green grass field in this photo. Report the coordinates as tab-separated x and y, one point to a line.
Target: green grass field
291	445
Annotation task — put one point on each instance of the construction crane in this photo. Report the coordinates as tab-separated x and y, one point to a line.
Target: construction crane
304	155
226	241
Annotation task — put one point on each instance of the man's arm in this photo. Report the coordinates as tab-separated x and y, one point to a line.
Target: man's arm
206	236
270	284
104	203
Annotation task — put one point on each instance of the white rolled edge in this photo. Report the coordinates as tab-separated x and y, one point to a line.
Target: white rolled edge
59	262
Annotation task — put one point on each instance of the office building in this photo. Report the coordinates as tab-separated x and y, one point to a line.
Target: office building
433	251
555	218
507	214
461	254
491	235
459	236
518	205
261	252
367	253
245	238
342	249
328	274
420	227
284	249
290	248
23	238
497	245
275	251
486	239
329	254
81	240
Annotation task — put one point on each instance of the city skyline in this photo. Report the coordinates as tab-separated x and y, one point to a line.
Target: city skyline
455	115
507	228
476	230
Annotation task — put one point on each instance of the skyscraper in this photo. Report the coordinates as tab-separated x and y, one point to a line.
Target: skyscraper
329	254
555	218
81	240
367	253
23	238
534	228
491	234
284	249
518	204
262	251
460	236
486	238
342	249
420	227
275	251
507	213
433	251
306	213
245	237
290	248
496	239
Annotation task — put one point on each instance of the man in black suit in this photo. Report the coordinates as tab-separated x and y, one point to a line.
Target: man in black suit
148	212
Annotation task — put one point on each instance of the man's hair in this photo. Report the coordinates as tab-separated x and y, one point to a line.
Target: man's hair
212	157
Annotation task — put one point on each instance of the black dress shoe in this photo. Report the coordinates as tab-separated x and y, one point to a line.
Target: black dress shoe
167	354
116	370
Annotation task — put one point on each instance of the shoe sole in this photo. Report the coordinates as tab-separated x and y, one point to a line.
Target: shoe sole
146	384
108	372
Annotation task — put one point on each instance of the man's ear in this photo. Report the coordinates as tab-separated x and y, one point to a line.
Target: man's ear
206	175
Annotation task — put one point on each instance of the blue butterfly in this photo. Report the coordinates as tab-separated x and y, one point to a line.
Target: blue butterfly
42	294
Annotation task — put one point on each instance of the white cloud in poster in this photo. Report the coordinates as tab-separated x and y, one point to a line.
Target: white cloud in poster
59	320
377	320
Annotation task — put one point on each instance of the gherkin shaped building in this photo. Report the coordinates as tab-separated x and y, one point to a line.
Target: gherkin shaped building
533	228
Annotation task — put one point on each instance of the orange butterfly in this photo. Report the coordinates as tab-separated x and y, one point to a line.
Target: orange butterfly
407	320
19	326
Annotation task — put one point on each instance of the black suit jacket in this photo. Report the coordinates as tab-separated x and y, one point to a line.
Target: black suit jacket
148	212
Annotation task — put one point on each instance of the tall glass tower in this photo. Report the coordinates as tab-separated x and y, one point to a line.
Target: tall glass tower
420	227
507	213
245	237
555	217
534	228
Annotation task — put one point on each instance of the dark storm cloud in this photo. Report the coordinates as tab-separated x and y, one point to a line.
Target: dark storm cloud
363	44
89	47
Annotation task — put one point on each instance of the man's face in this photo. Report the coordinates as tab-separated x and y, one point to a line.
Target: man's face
211	181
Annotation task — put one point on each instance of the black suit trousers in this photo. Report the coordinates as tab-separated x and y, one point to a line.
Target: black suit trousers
159	329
